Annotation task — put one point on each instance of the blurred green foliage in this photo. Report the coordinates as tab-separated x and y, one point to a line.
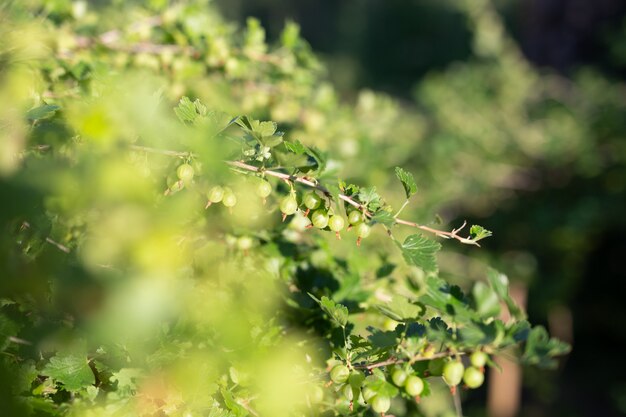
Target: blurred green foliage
116	286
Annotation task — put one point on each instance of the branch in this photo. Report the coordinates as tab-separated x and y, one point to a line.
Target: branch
440	233
393	361
60	246
161	151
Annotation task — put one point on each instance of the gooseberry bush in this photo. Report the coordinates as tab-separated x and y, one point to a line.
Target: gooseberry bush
170	250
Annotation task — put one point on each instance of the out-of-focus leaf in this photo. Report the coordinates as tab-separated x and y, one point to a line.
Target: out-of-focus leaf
42	112
401	309
71	370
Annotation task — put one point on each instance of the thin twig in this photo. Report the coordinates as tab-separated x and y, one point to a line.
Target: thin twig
440	233
60	246
161	151
394	361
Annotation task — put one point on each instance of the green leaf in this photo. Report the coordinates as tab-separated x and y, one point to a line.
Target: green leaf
401	309
186	110
478	232
336	311
200	108
447	299
383	217
420	251
71	370
232	404
500	283
381	386
8	328
370	198
296	147
438	331
408	182
382	339
126	379
540	349
486	299
42	112
265	129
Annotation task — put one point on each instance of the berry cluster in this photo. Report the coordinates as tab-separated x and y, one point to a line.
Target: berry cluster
353	385
322	217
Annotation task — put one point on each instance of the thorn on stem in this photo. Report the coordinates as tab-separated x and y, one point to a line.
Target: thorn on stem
284	216
358	241
208	204
338	235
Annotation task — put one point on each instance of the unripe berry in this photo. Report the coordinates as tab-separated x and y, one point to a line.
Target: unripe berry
453	373
380	403
319	218
216	194
362	230
355	217
263	189
414	385
368	394
398	376
312	200
336	223
245	242
289	205
185	173
229	199
478	359
473	378
347	392
339	374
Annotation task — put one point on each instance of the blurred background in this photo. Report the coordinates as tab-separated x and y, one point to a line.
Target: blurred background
511	114
553	77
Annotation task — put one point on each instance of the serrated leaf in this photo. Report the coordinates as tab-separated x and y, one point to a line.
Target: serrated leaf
541	350
478	232
447	300
401	309
408	182
42	112
500	283
438	331
296	147
477	333
186	110
486	300
420	251
126	379
382	339
232	404
336	311
383	217
71	370
370	198
265	129
200	108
